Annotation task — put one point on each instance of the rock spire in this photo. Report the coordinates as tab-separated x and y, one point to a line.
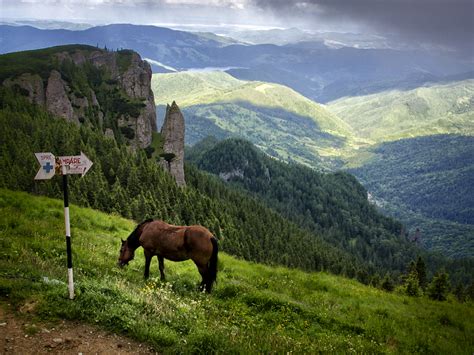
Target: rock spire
173	147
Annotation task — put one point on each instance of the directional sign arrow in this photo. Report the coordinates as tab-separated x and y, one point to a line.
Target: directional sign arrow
75	164
47	166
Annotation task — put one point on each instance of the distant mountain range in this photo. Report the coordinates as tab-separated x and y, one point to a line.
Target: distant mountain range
311	68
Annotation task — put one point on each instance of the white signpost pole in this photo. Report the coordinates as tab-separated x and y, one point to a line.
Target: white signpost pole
70	277
77	164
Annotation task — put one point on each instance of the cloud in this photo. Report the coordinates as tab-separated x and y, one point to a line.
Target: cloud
444	23
448	23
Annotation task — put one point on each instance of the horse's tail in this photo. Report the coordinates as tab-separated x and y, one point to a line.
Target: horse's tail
212	264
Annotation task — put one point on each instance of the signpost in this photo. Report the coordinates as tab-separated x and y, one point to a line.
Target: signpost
66	165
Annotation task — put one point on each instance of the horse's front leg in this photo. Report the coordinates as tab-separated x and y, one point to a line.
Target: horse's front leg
148	257
161	264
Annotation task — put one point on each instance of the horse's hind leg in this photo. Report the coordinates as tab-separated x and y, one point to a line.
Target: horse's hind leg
148	257
161	264
204	274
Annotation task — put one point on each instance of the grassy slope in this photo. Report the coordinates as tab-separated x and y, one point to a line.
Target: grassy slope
428	110
253	308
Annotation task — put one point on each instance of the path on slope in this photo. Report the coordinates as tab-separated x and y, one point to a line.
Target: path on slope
22	335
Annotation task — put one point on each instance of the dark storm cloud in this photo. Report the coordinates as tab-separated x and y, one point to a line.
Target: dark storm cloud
443	22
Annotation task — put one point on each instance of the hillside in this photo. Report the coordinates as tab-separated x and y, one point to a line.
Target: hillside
427	182
427	110
279	120
253	307
202	88
133	185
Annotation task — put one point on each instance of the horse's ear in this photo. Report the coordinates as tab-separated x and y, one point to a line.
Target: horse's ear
123	241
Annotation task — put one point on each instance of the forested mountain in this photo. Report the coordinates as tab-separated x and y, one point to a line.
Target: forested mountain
427	110
315	70
335	205
87	85
284	123
427	182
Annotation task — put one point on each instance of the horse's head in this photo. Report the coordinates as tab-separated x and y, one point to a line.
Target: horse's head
126	254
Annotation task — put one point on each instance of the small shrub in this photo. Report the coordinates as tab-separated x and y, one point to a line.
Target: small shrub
387	284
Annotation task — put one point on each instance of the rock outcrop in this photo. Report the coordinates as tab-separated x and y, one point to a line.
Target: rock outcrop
136	81
75	102
173	131
57	99
32	84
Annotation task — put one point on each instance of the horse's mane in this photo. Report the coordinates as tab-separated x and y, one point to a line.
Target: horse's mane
133	238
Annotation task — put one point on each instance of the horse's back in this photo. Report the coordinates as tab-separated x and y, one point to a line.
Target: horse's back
158	235
167	239
198	241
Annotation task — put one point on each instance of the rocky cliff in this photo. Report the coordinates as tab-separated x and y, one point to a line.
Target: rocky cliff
83	84
110	91
173	131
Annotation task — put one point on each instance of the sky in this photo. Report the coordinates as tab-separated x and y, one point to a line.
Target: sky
446	24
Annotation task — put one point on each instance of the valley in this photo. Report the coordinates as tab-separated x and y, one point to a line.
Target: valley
373	136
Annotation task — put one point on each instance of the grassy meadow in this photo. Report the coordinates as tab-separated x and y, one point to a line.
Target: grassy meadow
253	308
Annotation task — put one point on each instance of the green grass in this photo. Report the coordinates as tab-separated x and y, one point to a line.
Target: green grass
254	308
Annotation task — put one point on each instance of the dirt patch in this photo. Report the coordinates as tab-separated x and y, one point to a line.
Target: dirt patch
20	335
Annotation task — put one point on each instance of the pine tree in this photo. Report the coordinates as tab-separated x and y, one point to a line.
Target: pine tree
421	272
439	287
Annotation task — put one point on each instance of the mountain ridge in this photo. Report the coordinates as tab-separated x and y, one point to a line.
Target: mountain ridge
318	72
438	109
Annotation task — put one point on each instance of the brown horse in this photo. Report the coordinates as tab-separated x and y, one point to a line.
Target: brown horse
176	243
